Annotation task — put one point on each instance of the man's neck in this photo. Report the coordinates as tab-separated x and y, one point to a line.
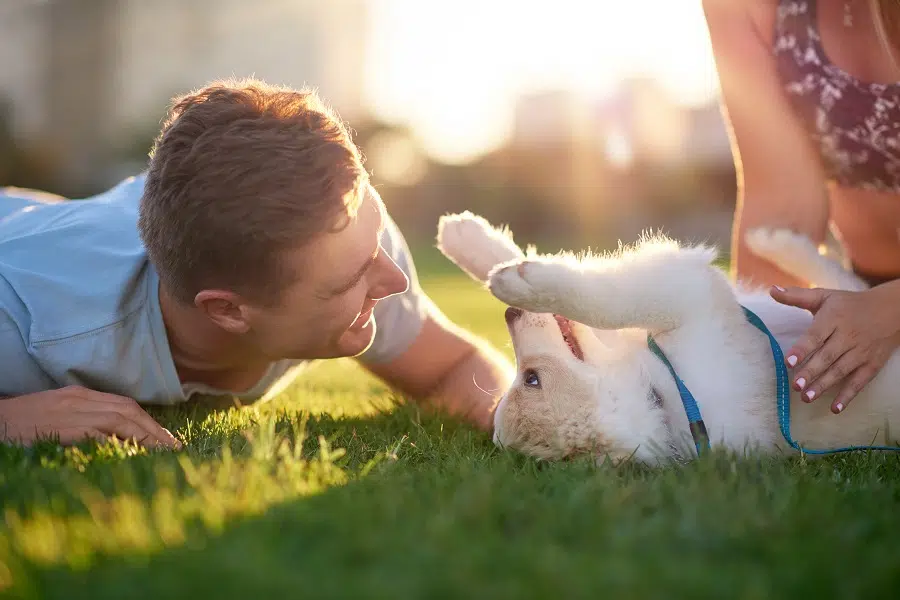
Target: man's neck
205	354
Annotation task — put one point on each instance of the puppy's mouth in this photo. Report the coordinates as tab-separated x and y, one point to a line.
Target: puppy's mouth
565	326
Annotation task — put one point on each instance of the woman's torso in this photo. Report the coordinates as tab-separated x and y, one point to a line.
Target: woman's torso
843	86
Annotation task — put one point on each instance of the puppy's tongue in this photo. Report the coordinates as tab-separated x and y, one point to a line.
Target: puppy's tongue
565	327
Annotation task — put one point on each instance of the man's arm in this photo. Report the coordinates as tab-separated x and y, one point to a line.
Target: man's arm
451	369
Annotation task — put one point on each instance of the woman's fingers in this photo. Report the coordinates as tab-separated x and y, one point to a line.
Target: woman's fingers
827	368
819	361
856	382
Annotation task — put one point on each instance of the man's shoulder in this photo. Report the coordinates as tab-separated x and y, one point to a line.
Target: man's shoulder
77	295
70	268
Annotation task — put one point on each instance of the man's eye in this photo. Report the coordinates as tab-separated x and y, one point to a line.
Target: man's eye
531	379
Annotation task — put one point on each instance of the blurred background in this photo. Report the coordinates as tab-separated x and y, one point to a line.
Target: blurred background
576	122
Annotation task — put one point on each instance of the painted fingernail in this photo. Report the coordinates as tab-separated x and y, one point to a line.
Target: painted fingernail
810	394
792	360
801	382
839	407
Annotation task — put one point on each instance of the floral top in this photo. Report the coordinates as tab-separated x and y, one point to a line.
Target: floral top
855	125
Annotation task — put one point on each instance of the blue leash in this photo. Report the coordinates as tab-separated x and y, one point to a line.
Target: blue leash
783	396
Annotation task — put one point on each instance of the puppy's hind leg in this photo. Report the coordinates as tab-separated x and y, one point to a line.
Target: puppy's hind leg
798	256
656	286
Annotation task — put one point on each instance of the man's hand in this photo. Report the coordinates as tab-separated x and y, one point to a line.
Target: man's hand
851	338
76	413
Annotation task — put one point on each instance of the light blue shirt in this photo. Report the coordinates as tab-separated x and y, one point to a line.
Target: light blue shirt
79	303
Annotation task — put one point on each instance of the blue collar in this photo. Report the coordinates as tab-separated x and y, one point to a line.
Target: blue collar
782	394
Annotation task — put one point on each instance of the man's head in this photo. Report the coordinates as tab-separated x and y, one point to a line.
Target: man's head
258	212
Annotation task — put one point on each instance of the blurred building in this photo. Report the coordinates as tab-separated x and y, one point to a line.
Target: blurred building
84	80
643	114
706	139
634	160
550	118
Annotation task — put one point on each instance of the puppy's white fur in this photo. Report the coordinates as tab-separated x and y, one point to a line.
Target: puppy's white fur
796	255
476	247
621	401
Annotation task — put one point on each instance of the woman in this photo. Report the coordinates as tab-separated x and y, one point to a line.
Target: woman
811	90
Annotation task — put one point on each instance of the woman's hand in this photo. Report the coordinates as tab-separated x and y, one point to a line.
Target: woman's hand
851	337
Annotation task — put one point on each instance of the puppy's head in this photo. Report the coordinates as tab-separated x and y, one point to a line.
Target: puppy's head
549	411
569	398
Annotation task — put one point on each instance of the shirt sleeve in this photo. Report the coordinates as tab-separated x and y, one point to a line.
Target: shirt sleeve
20	374
398	318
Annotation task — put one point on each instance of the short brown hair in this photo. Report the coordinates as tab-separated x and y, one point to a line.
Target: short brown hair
240	172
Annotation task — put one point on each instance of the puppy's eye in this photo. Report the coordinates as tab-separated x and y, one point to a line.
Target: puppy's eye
531	379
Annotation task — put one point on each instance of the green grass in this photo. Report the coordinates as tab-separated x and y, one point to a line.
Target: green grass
338	490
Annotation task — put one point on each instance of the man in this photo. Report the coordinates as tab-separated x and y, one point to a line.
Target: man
253	244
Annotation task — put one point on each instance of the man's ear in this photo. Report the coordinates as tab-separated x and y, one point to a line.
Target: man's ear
225	309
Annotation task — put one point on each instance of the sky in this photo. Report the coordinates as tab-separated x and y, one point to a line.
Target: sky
452	70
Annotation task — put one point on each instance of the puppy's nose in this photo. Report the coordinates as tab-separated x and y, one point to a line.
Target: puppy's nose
512	314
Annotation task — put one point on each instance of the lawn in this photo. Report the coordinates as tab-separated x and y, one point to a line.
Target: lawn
338	490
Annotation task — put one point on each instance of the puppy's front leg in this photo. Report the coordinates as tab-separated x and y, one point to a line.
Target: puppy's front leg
658	292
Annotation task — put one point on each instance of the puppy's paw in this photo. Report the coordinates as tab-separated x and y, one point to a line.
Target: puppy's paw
458	233
530	285
474	245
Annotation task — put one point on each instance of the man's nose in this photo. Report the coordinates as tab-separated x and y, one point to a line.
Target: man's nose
389	278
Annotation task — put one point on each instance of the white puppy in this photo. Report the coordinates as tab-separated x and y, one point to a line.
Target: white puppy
587	382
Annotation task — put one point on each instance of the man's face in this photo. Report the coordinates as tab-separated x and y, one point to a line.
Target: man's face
328	311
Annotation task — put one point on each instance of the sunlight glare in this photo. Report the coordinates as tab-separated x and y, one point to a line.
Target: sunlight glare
452	71
618	149
395	159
